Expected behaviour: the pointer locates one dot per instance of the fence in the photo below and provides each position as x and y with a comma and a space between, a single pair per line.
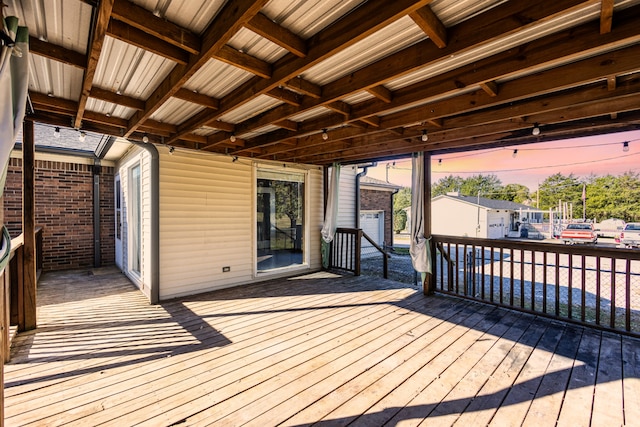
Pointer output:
583, 284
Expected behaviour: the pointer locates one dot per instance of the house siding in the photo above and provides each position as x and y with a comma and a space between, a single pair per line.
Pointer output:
454, 218
347, 197
207, 205
64, 208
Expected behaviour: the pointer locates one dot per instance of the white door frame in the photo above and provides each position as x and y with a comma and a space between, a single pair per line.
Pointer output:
118, 204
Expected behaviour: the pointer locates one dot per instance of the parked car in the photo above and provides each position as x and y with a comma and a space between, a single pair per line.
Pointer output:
630, 235
579, 232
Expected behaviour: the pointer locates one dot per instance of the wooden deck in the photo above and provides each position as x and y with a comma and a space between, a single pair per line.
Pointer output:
317, 349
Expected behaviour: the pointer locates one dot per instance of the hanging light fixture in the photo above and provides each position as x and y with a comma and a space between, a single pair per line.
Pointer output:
625, 146
232, 138
325, 135
424, 136
56, 132
536, 130
145, 138
515, 153
82, 136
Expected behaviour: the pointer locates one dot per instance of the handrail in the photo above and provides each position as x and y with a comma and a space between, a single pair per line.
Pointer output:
585, 284
346, 251
385, 255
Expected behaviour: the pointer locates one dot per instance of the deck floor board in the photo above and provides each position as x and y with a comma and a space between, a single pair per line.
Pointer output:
320, 349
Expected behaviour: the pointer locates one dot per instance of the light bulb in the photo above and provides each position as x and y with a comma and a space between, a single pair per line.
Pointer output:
325, 135
56, 132
424, 136
145, 138
439, 162
536, 130
82, 136
232, 138
515, 153
625, 146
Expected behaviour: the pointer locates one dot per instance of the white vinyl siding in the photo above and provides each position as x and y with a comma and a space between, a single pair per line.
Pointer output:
207, 222
347, 197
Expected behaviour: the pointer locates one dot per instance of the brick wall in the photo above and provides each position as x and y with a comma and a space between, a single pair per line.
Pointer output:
64, 208
379, 200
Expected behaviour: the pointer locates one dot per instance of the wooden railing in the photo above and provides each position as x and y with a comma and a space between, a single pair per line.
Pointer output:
587, 284
13, 313
346, 250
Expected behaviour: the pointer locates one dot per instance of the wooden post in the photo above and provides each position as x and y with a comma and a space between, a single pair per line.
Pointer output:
29, 225
428, 287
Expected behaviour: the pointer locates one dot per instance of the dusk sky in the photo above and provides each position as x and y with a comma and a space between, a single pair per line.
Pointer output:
599, 155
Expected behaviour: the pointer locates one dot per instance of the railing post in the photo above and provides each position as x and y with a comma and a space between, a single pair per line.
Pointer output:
357, 251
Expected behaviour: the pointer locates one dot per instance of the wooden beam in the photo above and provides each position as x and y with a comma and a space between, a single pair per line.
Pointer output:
612, 82
491, 88
287, 124
606, 16
140, 18
241, 60
431, 25
232, 17
218, 124
135, 37
305, 87
262, 25
287, 96
359, 24
29, 227
340, 107
51, 103
57, 53
197, 98
381, 92
115, 98
372, 120
95, 48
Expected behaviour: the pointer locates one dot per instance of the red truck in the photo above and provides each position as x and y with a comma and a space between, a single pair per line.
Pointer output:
579, 232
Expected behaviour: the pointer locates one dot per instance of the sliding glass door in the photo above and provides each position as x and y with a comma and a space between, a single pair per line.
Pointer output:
279, 219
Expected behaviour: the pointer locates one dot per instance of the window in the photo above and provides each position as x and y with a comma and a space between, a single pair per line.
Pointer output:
135, 219
280, 202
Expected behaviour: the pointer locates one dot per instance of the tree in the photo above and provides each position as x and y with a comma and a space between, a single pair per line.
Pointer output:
446, 184
516, 193
289, 200
561, 188
489, 186
614, 197
402, 199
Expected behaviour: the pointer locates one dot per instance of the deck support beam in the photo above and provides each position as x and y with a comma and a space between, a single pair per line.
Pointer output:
29, 226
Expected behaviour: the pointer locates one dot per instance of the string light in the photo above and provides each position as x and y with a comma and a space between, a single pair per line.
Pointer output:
424, 136
439, 162
325, 135
82, 136
625, 146
145, 138
56, 132
536, 130
232, 138
515, 153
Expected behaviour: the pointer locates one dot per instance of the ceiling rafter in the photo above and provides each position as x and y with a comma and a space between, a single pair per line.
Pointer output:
197, 98
231, 18
99, 32
431, 25
242, 60
262, 25
362, 22
606, 16
139, 38
57, 53
494, 23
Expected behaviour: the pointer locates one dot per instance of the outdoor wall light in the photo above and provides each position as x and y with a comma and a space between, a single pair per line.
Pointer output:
424, 136
536, 130
56, 132
172, 149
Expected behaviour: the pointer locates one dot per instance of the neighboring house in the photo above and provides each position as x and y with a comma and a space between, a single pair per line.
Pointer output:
376, 209
471, 216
